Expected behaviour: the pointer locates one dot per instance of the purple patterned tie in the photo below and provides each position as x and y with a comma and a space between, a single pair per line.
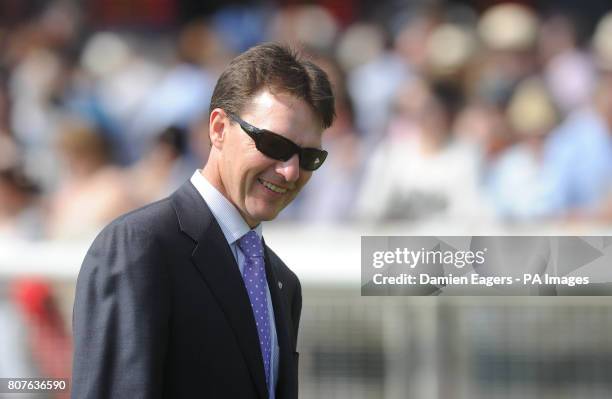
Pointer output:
254, 275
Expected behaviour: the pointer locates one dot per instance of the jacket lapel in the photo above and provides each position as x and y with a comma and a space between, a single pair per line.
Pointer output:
215, 263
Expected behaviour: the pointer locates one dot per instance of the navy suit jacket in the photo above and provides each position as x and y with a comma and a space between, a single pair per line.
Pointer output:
161, 311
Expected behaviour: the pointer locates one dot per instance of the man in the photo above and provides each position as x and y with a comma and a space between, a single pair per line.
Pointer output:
182, 299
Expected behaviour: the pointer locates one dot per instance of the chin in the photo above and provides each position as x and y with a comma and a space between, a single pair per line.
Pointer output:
264, 215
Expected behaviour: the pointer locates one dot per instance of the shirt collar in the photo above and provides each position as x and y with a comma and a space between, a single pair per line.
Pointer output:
231, 222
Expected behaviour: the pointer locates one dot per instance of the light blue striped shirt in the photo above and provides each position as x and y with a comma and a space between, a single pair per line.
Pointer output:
234, 227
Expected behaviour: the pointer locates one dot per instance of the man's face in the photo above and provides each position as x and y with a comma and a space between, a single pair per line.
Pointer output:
260, 187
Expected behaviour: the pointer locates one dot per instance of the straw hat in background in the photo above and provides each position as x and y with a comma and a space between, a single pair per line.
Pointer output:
531, 111
602, 43
449, 49
508, 27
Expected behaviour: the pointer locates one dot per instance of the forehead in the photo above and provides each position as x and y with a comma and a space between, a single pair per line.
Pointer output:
284, 114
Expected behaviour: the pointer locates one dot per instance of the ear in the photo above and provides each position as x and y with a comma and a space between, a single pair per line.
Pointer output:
217, 126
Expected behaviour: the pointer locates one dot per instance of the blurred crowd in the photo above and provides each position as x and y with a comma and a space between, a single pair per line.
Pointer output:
445, 112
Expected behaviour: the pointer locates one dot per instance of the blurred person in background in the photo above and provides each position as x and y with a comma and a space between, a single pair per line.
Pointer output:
92, 191
4, 103
419, 172
182, 298
507, 55
112, 82
580, 157
567, 69
579, 152
45, 329
375, 76
182, 92
509, 34
516, 180
36, 53
21, 216
309, 26
162, 169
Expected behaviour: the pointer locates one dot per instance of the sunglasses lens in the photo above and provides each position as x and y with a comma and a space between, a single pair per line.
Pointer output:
275, 146
312, 159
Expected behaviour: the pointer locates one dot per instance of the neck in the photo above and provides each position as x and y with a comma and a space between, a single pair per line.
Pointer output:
211, 173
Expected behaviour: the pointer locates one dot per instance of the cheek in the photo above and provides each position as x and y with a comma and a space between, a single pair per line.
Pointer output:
304, 178
253, 166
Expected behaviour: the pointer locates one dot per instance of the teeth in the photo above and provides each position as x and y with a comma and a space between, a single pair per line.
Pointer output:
272, 187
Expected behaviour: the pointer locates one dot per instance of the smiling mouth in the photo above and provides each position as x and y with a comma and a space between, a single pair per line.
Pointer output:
273, 187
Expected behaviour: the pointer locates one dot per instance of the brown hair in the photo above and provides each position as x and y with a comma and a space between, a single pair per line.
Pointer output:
278, 69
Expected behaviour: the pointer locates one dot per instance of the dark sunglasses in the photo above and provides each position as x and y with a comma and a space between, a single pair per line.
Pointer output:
281, 148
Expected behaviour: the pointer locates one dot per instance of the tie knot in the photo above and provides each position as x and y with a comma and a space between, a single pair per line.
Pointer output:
250, 244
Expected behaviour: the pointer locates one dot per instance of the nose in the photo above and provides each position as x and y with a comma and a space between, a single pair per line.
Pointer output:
289, 169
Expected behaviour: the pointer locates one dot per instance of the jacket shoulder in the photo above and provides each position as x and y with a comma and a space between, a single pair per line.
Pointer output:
135, 232
148, 218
